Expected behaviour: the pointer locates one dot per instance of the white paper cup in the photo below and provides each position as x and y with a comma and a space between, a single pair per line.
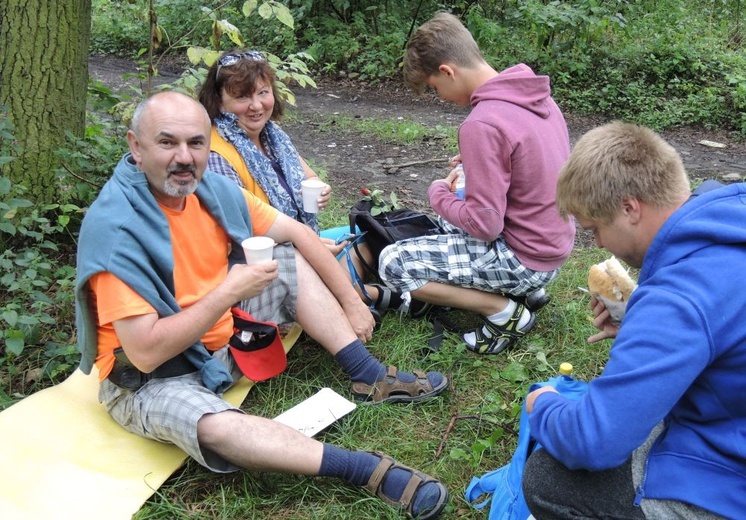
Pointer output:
311, 190
258, 249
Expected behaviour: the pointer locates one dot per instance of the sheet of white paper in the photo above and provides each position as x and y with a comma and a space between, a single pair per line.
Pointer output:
317, 412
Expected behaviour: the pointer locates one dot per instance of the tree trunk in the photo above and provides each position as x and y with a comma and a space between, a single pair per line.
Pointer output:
43, 83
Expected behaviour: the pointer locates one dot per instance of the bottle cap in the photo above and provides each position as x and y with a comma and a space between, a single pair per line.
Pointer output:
565, 369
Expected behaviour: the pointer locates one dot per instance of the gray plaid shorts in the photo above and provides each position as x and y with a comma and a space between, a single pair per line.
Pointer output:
168, 409
455, 258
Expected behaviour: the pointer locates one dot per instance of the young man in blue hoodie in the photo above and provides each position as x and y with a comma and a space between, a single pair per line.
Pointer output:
660, 433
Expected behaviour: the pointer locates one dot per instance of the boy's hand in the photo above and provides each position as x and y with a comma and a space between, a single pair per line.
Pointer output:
450, 179
602, 321
531, 397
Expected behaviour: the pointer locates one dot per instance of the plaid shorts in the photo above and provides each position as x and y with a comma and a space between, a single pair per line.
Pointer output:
455, 258
168, 409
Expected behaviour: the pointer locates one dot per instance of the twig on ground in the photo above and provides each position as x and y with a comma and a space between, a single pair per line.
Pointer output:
414, 163
451, 424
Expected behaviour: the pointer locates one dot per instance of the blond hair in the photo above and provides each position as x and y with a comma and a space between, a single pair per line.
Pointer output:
618, 161
442, 39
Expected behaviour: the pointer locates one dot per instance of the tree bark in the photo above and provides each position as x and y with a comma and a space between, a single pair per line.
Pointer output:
43, 84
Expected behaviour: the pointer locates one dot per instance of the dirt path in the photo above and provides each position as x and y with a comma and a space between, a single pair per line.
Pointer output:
354, 162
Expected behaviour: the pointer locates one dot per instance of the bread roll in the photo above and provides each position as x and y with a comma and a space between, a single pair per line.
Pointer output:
610, 280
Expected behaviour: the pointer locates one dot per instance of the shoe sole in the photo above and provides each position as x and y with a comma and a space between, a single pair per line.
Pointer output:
439, 506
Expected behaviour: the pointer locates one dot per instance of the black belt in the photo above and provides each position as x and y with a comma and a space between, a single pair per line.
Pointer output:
126, 375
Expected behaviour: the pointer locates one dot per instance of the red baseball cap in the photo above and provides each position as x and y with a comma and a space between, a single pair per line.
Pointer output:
262, 355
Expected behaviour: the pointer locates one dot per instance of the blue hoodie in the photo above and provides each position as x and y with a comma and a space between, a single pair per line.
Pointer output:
680, 358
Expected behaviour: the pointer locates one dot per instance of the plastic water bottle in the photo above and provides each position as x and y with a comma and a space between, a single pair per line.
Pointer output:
460, 181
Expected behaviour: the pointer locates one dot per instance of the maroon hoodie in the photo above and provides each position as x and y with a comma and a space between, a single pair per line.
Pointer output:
513, 145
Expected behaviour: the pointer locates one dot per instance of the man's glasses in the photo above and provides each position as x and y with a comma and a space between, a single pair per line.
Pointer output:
227, 60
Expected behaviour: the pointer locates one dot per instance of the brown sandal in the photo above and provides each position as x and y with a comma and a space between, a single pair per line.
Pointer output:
393, 390
406, 500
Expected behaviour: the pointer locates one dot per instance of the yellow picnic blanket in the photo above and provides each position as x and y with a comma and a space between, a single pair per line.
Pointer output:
63, 457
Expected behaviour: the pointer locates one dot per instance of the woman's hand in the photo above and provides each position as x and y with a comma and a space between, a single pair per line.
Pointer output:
333, 247
326, 194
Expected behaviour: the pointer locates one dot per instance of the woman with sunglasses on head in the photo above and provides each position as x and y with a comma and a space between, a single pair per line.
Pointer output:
243, 102
241, 97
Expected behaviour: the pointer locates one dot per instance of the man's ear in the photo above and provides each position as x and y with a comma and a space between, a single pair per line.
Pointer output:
134, 145
632, 209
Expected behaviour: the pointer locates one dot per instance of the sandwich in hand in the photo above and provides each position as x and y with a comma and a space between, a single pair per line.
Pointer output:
611, 283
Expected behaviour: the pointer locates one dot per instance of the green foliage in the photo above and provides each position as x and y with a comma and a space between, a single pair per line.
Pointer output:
87, 162
291, 69
117, 27
120, 27
357, 47
631, 60
566, 23
380, 203
37, 248
36, 303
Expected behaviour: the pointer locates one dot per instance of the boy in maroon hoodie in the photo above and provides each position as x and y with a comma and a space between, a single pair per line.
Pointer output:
505, 239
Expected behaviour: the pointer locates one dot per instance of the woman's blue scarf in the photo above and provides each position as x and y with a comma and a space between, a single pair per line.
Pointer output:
280, 148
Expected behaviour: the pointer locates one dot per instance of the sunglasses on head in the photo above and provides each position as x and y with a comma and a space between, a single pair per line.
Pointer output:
227, 60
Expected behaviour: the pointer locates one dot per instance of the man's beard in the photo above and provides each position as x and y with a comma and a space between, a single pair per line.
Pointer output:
175, 188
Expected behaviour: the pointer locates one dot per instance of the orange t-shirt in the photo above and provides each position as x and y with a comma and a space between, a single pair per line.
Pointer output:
200, 250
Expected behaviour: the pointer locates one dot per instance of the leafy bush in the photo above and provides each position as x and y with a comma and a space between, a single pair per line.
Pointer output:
120, 27
37, 251
87, 162
117, 27
36, 300
631, 60
373, 53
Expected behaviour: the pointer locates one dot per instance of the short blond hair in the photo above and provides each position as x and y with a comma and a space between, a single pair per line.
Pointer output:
618, 161
442, 39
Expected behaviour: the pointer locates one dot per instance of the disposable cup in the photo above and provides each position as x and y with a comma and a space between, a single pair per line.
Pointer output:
258, 249
311, 190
